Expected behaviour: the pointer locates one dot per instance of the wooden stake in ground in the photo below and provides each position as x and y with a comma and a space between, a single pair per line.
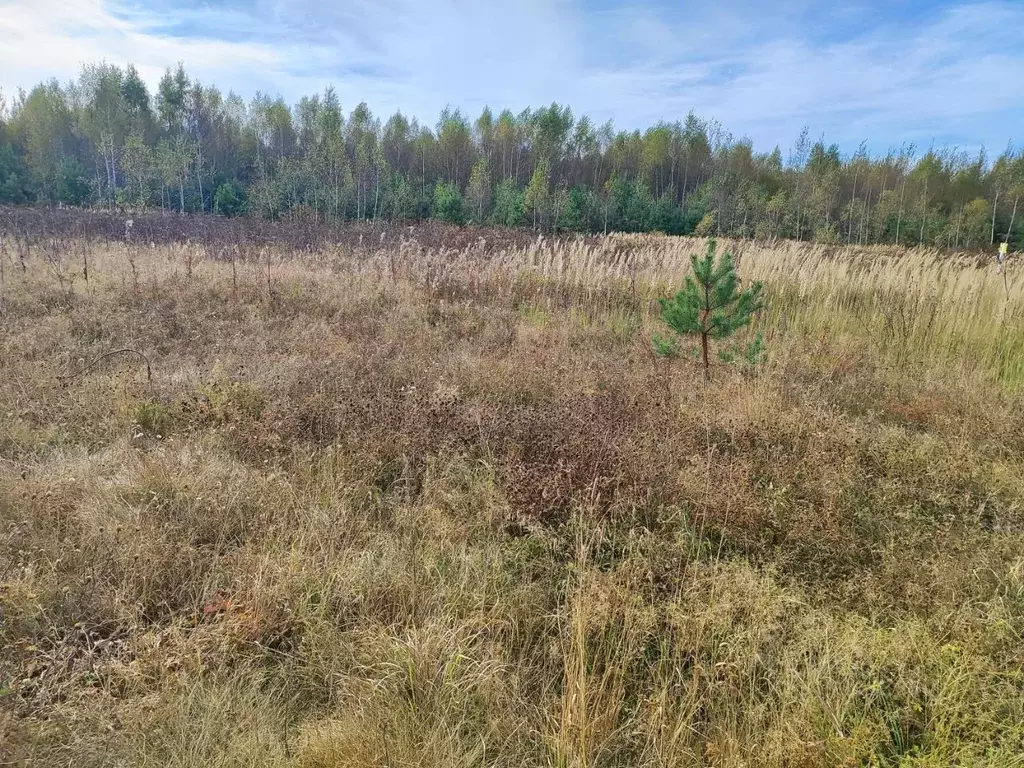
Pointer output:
1001, 258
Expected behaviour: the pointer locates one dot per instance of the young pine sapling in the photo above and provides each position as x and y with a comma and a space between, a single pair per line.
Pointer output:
710, 305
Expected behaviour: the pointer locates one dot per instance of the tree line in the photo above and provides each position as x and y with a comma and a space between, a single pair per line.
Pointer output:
105, 140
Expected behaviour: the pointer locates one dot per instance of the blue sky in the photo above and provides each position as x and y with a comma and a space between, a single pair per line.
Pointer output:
948, 72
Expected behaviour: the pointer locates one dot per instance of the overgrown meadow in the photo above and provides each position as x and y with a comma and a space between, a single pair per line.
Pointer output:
427, 497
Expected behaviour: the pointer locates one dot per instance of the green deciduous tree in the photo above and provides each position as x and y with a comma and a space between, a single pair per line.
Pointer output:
44, 127
104, 138
137, 164
478, 193
536, 198
15, 184
975, 222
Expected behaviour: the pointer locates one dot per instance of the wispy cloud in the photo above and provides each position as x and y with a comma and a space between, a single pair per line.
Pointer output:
920, 70
50, 38
955, 76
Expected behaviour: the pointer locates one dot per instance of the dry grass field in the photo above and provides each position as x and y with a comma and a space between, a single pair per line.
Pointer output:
402, 505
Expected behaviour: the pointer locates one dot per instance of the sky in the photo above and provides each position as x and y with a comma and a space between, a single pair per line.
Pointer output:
948, 73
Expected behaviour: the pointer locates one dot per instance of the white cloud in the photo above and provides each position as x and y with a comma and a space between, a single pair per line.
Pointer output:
960, 73
763, 74
50, 38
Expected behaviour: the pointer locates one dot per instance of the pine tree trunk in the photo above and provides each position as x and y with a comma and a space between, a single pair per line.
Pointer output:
704, 332
704, 353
